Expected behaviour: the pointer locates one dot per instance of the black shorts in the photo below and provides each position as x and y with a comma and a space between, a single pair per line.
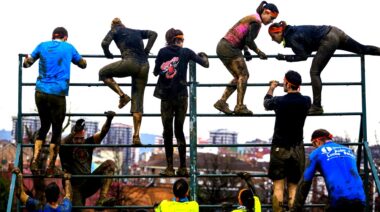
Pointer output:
287, 163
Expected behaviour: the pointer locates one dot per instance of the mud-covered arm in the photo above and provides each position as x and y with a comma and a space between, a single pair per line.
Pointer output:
152, 36
98, 137
106, 44
28, 61
68, 188
20, 192
202, 59
253, 31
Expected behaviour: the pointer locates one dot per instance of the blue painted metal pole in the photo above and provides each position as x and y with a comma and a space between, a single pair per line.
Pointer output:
193, 131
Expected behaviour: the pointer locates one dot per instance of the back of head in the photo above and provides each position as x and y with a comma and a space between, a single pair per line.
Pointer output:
52, 192
269, 6
321, 134
59, 33
294, 79
245, 198
116, 22
180, 188
173, 35
277, 27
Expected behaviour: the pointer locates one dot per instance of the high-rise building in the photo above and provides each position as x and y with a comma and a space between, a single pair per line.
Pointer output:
122, 134
32, 123
224, 136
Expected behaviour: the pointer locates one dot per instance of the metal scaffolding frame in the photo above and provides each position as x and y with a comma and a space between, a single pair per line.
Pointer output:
363, 152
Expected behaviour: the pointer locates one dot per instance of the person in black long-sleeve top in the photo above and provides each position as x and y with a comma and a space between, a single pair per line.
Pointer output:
324, 39
134, 63
287, 157
171, 67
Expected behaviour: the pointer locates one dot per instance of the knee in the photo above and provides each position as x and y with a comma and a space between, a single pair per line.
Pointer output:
111, 166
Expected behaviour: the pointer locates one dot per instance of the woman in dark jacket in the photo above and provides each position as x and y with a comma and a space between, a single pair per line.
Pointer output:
171, 88
324, 40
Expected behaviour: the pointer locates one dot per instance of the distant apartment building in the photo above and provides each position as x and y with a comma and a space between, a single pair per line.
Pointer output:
32, 123
224, 136
122, 134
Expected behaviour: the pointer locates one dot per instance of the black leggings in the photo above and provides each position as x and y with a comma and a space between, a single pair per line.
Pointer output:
52, 111
335, 39
174, 109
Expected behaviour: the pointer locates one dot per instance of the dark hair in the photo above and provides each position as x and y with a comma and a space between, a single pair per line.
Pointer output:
293, 78
280, 25
171, 34
321, 133
247, 199
59, 32
180, 188
265, 5
52, 192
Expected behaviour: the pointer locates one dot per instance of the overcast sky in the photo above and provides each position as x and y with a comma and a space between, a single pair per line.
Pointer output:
27, 23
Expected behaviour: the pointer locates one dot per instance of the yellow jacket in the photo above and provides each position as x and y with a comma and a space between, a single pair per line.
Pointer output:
173, 206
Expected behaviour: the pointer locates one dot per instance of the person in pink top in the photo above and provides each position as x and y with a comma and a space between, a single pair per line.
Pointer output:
241, 37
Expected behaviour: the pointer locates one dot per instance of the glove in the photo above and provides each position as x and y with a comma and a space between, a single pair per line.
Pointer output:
109, 56
202, 54
244, 175
66, 176
110, 114
247, 55
79, 125
280, 57
262, 55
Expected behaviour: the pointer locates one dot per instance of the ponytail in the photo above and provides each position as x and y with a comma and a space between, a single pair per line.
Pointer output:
265, 5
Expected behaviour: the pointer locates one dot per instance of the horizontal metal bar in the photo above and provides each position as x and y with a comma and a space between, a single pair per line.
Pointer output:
202, 114
176, 145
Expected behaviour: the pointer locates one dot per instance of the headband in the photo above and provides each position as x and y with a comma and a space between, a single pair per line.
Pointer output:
329, 136
275, 29
273, 14
179, 37
81, 133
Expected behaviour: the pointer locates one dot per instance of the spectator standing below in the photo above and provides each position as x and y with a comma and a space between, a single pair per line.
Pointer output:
306, 39
287, 157
52, 87
77, 160
337, 165
171, 67
229, 50
134, 63
51, 194
180, 202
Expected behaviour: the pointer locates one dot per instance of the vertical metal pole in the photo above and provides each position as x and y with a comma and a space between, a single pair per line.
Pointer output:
193, 131
364, 124
18, 137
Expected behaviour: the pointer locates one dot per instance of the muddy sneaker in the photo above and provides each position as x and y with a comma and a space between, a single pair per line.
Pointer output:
315, 110
222, 106
168, 172
242, 110
106, 201
53, 172
124, 100
136, 141
182, 172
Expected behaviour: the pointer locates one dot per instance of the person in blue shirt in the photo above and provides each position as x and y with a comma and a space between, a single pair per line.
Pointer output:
134, 64
51, 194
324, 40
52, 87
337, 165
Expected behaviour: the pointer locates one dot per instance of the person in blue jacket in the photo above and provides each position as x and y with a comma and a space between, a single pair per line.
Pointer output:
324, 39
52, 87
337, 165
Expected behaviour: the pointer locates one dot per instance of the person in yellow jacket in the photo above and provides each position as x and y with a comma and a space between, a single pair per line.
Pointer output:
248, 202
181, 202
